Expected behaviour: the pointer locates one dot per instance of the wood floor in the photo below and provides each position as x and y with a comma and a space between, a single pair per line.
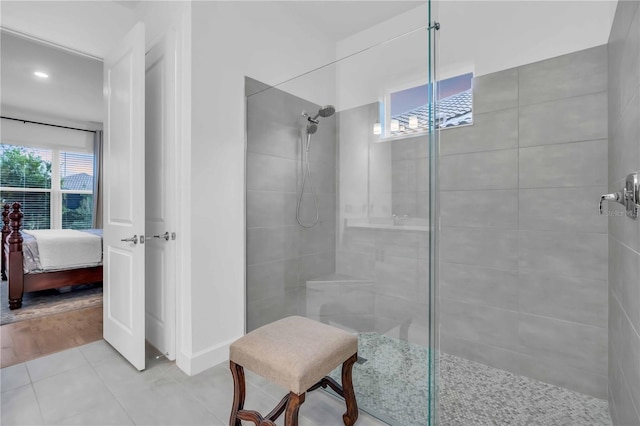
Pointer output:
27, 340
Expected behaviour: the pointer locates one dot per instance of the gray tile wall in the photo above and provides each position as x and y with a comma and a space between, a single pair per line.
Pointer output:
523, 251
282, 256
377, 180
624, 232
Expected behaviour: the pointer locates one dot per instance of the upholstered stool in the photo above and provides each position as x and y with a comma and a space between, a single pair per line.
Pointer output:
296, 353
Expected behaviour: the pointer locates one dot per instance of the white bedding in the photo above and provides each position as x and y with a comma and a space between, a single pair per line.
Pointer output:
67, 248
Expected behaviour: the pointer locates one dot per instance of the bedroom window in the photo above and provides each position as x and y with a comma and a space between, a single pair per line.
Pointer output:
55, 187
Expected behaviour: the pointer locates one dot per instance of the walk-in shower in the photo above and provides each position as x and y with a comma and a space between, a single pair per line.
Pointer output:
324, 192
524, 317
311, 128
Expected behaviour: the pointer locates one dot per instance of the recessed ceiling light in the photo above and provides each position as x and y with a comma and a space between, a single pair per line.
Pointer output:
41, 74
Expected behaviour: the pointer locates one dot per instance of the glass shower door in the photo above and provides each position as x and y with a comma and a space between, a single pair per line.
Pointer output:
340, 185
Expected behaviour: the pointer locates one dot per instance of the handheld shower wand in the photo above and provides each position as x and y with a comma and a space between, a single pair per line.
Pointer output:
312, 127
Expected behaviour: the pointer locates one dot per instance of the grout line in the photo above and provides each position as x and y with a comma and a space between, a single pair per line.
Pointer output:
520, 312
35, 394
524, 271
518, 175
526, 188
623, 244
483, 113
549, 101
106, 386
626, 387
271, 155
522, 187
480, 266
547, 231
518, 147
624, 312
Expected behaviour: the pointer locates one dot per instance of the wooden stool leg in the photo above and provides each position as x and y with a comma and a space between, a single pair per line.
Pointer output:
293, 405
349, 418
238, 392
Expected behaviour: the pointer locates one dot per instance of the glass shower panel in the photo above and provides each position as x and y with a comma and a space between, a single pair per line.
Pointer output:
338, 214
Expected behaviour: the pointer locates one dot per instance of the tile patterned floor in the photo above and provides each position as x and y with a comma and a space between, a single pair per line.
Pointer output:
475, 394
94, 385
393, 382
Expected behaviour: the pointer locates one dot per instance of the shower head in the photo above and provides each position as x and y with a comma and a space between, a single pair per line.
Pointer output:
312, 128
312, 125
325, 111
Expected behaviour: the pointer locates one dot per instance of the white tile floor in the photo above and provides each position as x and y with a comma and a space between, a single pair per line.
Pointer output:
94, 385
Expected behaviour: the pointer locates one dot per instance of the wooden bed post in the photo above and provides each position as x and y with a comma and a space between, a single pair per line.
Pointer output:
5, 233
16, 264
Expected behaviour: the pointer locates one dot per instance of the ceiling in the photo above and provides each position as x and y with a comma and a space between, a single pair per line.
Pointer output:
341, 19
72, 91
74, 87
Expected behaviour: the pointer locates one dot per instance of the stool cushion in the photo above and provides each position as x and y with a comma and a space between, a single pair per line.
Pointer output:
294, 352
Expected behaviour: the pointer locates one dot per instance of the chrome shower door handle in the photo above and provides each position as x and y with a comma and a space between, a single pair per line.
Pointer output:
133, 239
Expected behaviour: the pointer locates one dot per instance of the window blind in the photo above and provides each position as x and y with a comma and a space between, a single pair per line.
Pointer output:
54, 187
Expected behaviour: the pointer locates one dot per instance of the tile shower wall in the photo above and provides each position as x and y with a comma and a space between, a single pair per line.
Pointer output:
378, 180
281, 255
523, 254
624, 232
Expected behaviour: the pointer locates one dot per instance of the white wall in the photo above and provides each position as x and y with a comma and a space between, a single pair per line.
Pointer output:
29, 134
395, 59
159, 17
162, 18
479, 36
90, 27
73, 90
495, 35
231, 40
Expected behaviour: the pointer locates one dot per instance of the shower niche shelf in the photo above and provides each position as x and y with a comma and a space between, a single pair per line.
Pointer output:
410, 224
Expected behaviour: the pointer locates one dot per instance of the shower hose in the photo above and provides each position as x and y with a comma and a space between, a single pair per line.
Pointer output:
306, 177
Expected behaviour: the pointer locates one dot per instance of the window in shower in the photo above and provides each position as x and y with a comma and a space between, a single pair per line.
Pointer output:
407, 111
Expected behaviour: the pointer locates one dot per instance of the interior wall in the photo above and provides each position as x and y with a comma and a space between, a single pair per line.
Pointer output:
477, 34
72, 92
376, 181
231, 40
474, 36
24, 134
388, 59
523, 254
624, 232
281, 255
91, 27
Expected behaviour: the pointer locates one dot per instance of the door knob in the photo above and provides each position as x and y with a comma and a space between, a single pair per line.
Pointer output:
166, 236
133, 240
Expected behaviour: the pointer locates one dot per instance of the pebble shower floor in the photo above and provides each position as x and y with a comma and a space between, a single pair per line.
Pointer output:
392, 383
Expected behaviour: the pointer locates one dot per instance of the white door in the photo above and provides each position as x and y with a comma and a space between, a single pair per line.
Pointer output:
124, 198
161, 204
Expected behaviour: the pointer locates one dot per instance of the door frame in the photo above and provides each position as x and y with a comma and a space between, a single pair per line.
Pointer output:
182, 24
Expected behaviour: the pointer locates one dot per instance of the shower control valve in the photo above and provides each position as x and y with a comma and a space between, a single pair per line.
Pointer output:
629, 196
614, 196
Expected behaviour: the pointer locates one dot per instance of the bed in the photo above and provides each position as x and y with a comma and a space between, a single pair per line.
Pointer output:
23, 278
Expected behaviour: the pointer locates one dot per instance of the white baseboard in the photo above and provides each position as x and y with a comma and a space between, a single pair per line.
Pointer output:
197, 362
